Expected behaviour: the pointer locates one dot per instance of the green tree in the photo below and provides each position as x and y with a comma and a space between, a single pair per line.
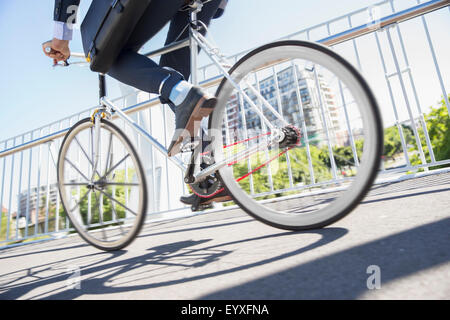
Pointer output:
279, 168
344, 157
392, 140
438, 126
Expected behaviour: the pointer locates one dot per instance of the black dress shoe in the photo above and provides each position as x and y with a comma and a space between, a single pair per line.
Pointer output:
197, 105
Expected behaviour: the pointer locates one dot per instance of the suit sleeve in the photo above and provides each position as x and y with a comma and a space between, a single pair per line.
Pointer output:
65, 9
221, 9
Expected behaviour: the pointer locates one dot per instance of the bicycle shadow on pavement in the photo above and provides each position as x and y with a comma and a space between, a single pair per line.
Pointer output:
162, 260
344, 275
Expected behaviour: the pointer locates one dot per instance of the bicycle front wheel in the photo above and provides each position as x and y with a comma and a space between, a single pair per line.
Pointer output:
333, 142
102, 184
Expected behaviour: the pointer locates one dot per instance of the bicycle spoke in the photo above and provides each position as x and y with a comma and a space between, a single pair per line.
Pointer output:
94, 186
100, 213
121, 184
76, 184
309, 150
116, 218
70, 162
109, 152
115, 166
81, 200
112, 199
86, 155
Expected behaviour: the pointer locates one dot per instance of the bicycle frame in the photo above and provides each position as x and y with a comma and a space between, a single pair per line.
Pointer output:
196, 40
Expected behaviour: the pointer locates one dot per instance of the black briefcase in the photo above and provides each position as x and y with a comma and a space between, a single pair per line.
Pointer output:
106, 28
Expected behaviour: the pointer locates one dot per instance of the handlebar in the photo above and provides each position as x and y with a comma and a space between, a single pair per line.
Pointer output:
66, 63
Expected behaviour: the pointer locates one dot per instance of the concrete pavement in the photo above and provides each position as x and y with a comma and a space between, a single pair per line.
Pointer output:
401, 233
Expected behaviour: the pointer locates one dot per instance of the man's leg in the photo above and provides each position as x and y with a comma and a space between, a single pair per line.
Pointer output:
137, 70
142, 73
180, 59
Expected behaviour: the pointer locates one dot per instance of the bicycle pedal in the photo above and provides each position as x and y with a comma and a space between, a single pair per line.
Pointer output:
189, 146
202, 207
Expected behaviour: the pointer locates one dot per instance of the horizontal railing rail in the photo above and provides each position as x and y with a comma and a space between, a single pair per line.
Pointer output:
351, 34
398, 17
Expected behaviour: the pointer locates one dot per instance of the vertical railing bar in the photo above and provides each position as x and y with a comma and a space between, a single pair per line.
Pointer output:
349, 128
78, 175
413, 86
114, 191
47, 200
355, 47
436, 64
227, 133
67, 214
109, 162
38, 187
405, 96
8, 225
3, 189
27, 213
193, 46
264, 128
58, 195
164, 109
324, 120
304, 127
139, 121
280, 110
126, 173
90, 172
422, 120
152, 155
333, 162
303, 123
394, 107
244, 121
18, 213
100, 166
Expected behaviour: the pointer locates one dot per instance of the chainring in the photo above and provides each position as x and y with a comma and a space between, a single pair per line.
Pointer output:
206, 188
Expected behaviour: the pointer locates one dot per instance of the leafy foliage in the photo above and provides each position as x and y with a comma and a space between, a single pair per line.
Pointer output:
392, 140
438, 126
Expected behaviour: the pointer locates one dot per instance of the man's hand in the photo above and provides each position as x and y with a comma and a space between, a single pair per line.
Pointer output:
59, 49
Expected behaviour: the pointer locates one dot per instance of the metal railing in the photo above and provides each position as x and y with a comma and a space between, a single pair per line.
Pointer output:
29, 203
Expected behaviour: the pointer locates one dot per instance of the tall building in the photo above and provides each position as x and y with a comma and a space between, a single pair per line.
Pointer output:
28, 201
316, 105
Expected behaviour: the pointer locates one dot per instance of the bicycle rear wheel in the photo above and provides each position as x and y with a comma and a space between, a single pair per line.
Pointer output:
106, 205
331, 117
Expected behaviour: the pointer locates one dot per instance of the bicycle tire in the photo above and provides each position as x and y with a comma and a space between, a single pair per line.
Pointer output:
372, 162
141, 215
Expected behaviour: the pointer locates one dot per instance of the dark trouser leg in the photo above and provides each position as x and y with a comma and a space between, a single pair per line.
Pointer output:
180, 60
137, 70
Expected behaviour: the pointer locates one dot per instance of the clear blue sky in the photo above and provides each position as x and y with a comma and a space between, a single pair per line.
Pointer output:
33, 94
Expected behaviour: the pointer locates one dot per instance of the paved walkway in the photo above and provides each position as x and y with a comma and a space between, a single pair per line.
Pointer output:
401, 230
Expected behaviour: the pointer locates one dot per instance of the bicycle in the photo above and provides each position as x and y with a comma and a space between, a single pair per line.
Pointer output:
298, 124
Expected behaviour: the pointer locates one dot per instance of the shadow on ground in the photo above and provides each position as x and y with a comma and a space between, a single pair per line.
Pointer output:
98, 275
343, 275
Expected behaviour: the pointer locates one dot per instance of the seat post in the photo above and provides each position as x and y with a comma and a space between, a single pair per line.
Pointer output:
196, 7
101, 86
